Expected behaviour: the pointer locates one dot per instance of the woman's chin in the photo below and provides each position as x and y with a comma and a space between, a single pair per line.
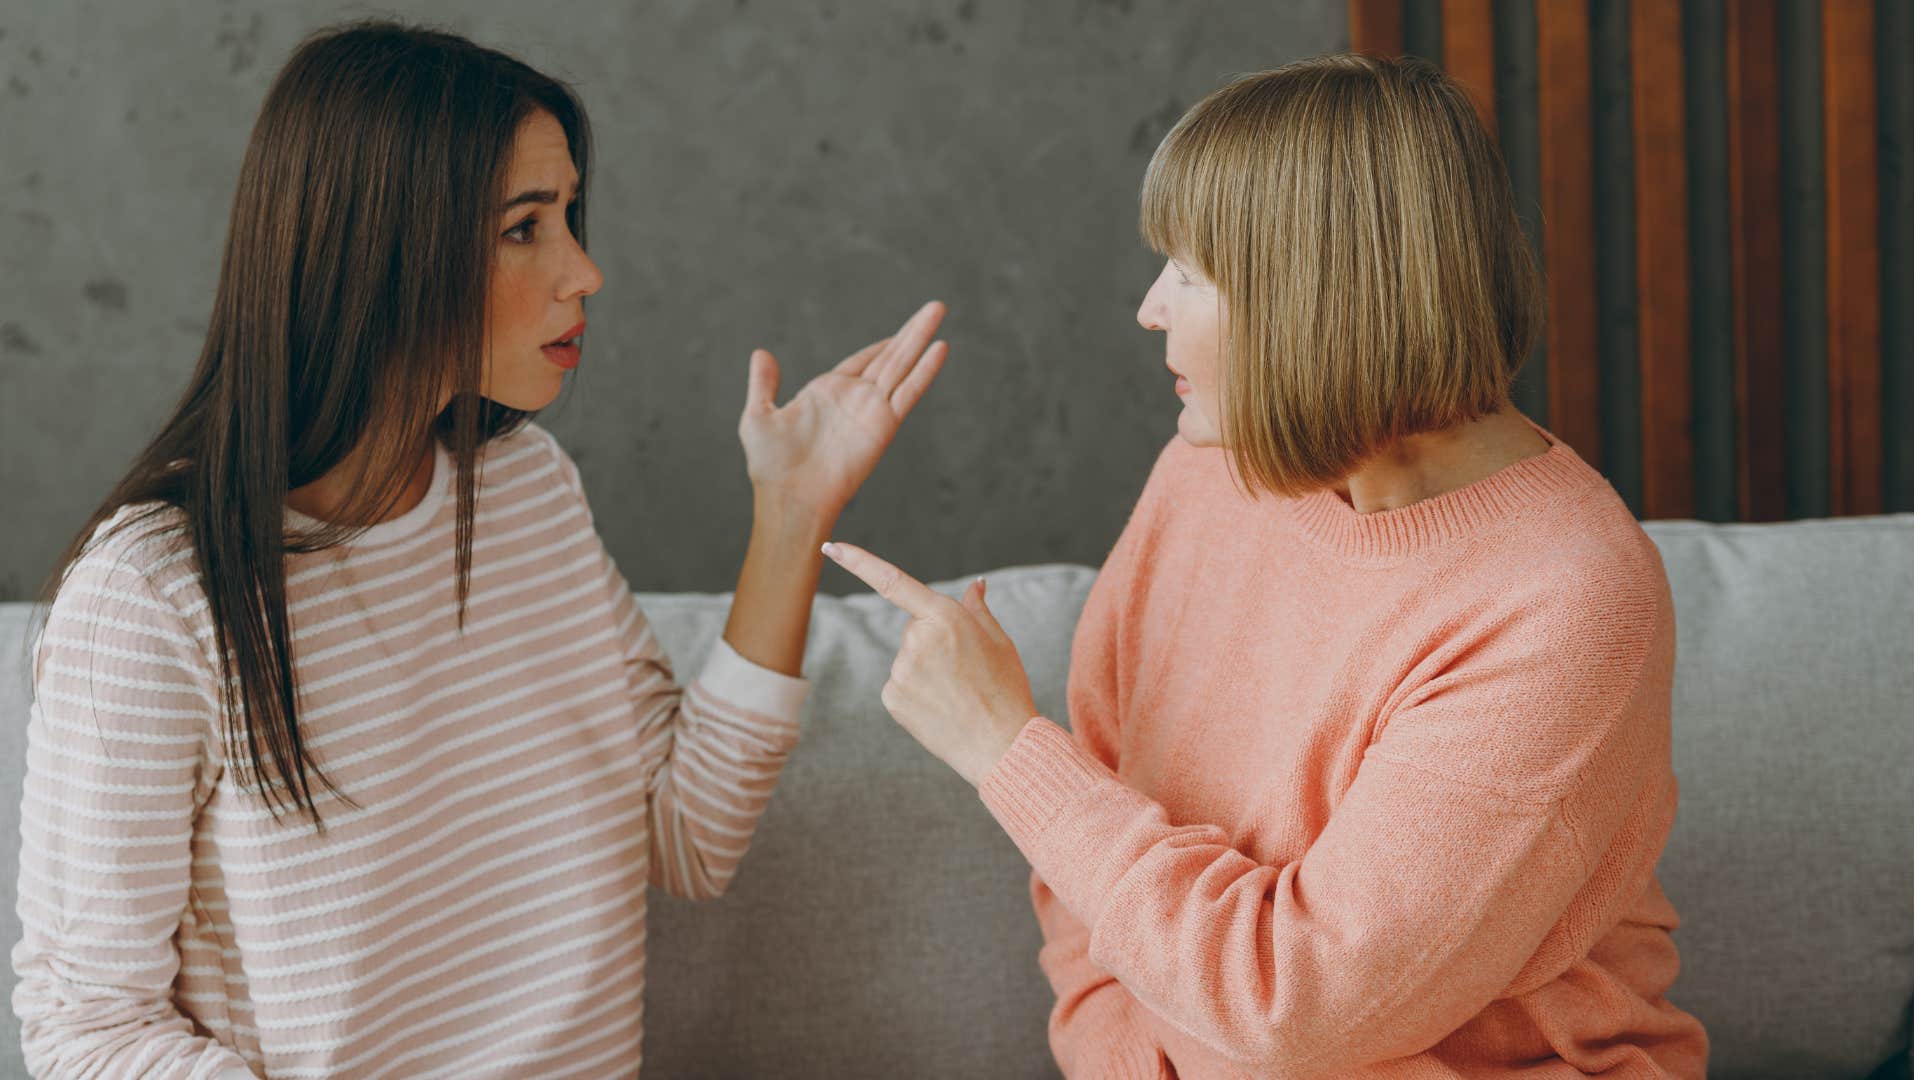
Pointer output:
1197, 430
527, 399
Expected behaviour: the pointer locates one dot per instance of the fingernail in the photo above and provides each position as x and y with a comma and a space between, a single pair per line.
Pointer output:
830, 551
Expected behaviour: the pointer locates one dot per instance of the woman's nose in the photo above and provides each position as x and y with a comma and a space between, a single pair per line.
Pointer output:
1149, 315
586, 278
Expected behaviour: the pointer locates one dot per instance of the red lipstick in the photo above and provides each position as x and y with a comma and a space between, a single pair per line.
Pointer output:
564, 351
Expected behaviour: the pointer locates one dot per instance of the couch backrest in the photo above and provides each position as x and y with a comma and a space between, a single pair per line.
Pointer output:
881, 927
1791, 861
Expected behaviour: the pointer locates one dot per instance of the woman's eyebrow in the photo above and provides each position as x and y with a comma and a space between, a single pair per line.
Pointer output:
543, 196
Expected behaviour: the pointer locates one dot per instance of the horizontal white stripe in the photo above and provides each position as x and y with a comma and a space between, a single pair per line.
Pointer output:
434, 1050
582, 674
183, 687
388, 919
64, 887
565, 781
625, 1049
124, 626
370, 928
158, 659
413, 568
49, 800
630, 1002
54, 937
89, 866
443, 613
437, 587
39, 745
404, 749
83, 586
366, 789
680, 807
478, 969
104, 840
150, 917
467, 848
716, 773
137, 738
487, 511
473, 631
487, 675
75, 782
100, 705
232, 977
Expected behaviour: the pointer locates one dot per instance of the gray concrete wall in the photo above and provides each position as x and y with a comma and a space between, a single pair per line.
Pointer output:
792, 175
800, 175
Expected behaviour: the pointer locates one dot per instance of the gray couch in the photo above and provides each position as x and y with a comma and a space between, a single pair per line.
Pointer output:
880, 927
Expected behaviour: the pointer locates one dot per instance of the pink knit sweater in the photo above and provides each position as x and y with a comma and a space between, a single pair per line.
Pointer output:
1359, 795
520, 782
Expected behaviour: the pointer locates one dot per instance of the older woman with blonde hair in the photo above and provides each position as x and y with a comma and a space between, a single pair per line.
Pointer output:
1369, 767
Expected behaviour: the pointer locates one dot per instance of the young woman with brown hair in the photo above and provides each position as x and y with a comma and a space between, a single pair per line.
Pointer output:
350, 753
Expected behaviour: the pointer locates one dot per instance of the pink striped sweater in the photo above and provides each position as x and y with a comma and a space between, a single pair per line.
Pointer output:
520, 785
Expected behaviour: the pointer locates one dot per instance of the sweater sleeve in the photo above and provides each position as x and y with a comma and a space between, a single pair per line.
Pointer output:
714, 747
119, 762
1472, 823
1094, 1028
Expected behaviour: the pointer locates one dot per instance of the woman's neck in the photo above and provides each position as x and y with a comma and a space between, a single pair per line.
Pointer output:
325, 499
1423, 466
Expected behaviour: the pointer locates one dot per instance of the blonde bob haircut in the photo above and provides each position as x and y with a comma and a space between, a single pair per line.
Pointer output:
1357, 222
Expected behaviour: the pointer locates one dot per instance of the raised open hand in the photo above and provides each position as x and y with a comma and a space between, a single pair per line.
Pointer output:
820, 447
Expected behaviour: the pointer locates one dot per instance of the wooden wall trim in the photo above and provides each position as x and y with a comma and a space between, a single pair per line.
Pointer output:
1853, 255
1466, 45
1756, 218
1662, 259
1376, 27
1567, 222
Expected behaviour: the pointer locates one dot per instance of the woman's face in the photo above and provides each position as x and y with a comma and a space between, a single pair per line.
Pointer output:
1186, 307
541, 275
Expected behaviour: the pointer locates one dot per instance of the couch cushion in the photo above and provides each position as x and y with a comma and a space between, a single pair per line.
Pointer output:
880, 926
1791, 862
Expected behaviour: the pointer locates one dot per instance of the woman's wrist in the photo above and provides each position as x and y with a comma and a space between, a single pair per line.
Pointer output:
783, 516
1001, 734
774, 596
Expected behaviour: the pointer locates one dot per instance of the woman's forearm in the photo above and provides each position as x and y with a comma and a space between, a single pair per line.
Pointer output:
774, 597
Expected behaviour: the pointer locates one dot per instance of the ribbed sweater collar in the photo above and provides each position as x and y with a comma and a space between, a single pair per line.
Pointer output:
1327, 520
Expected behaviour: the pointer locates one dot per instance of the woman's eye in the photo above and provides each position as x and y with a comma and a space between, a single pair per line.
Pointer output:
521, 233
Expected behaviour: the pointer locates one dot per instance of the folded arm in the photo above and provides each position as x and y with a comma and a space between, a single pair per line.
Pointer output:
1445, 866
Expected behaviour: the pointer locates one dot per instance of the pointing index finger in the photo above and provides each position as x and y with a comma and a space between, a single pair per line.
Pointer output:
893, 584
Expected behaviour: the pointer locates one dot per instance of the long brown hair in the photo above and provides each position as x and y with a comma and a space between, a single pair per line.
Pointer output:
1375, 283
352, 297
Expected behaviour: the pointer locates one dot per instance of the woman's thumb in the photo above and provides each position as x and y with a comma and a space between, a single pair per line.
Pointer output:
974, 599
763, 382
976, 602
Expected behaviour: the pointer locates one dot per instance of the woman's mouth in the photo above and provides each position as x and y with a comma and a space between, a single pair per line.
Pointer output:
565, 355
1181, 385
565, 351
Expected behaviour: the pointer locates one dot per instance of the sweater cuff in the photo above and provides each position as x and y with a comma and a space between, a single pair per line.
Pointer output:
744, 684
1041, 774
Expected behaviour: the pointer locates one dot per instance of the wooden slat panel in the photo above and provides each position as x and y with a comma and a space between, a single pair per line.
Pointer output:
1853, 255
1662, 259
1466, 37
1566, 208
1375, 27
1759, 286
